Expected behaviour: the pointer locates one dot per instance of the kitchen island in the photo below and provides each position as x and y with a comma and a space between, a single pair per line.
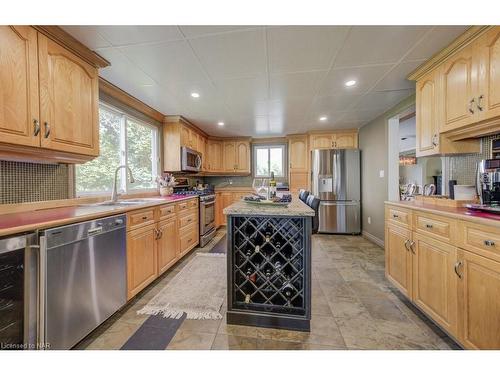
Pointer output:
269, 265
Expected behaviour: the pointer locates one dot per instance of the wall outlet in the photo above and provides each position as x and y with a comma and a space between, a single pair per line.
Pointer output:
369, 219
381, 173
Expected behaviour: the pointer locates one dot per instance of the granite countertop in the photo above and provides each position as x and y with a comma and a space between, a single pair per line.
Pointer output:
461, 213
295, 208
26, 221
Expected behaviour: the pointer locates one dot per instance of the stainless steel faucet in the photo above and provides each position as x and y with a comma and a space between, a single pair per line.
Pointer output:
114, 193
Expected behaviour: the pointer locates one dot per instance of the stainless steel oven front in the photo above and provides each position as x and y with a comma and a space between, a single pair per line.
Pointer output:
207, 218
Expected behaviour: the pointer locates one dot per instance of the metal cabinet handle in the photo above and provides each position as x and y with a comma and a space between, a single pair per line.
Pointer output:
434, 140
411, 246
160, 234
395, 216
144, 217
471, 109
406, 245
457, 266
36, 125
479, 99
156, 233
428, 226
47, 129
489, 243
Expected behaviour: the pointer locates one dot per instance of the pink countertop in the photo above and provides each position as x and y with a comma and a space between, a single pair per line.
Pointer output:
45, 218
462, 213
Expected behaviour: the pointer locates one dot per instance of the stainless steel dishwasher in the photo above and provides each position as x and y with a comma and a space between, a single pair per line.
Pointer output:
83, 278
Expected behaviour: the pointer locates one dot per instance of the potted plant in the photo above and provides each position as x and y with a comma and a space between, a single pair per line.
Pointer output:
166, 184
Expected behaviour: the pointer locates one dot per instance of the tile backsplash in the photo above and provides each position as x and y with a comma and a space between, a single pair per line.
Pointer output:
463, 168
30, 182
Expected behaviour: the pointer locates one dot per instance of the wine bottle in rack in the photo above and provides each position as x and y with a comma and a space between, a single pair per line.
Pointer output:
277, 267
250, 274
247, 298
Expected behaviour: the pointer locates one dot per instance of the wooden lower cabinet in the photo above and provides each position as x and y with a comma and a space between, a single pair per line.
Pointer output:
168, 244
398, 258
479, 291
141, 259
188, 239
435, 281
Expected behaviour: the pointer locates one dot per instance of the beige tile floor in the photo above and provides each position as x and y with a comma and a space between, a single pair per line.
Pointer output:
353, 307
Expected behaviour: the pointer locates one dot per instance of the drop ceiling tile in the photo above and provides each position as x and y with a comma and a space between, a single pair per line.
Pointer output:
87, 35
333, 117
232, 55
122, 72
243, 89
302, 48
168, 63
122, 35
323, 105
382, 100
295, 84
378, 44
396, 78
365, 77
361, 116
191, 31
435, 41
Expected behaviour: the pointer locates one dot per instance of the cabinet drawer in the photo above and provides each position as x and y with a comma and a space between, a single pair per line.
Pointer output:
480, 239
137, 219
186, 205
398, 216
188, 238
439, 227
191, 218
165, 212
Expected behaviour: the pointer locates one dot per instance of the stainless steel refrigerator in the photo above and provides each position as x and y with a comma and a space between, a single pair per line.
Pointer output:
336, 182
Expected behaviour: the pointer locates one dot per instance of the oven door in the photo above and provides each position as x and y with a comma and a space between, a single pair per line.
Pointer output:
190, 160
207, 216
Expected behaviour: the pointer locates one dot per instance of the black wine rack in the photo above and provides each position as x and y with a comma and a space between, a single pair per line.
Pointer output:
269, 271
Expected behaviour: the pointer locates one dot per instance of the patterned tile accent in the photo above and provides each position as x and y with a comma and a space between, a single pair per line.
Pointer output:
29, 182
463, 168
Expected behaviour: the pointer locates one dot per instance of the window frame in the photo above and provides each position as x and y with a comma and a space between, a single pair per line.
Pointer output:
124, 186
269, 146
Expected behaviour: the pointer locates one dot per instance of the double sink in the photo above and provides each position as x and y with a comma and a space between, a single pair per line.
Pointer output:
123, 202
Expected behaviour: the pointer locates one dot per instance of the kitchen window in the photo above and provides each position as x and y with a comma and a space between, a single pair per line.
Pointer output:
124, 140
269, 158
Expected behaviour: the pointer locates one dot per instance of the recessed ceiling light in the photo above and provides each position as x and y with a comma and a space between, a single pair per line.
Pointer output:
220, 123
323, 118
195, 95
350, 83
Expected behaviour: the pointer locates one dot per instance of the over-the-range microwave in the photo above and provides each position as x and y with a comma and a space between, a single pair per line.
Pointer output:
190, 160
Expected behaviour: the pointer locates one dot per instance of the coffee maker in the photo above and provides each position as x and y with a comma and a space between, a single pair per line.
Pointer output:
488, 185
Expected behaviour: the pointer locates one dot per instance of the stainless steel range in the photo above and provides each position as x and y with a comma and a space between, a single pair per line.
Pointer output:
207, 209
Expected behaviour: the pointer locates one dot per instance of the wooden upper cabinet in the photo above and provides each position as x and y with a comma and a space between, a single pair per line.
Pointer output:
243, 156
435, 281
459, 104
334, 140
185, 136
215, 155
479, 288
321, 141
19, 112
345, 140
427, 113
298, 153
68, 100
488, 93
230, 162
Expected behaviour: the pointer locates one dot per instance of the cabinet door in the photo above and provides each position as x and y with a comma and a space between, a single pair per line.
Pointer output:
427, 125
321, 141
218, 210
398, 258
19, 112
193, 140
167, 244
435, 280
298, 154
230, 162
243, 156
345, 140
141, 259
479, 289
215, 156
488, 95
227, 200
299, 180
185, 136
68, 100
458, 91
